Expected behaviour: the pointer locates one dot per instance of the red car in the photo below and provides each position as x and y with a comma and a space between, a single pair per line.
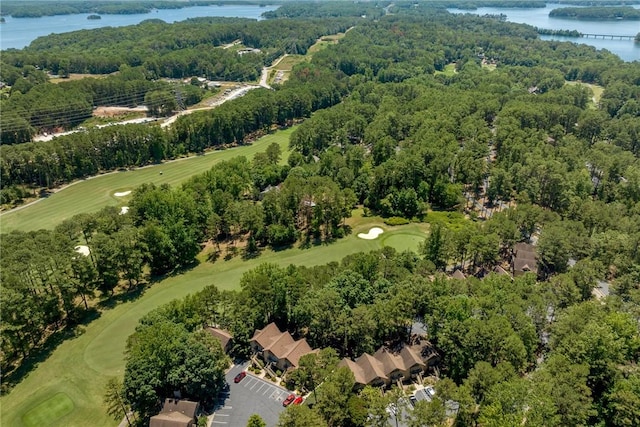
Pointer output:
289, 400
298, 400
239, 377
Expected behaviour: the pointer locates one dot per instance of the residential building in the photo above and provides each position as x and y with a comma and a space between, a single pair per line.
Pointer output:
386, 367
524, 259
225, 338
279, 348
176, 413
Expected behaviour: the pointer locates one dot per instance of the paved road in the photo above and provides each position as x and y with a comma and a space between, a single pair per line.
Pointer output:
250, 396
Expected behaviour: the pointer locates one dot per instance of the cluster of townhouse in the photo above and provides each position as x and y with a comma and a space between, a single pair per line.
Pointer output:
386, 366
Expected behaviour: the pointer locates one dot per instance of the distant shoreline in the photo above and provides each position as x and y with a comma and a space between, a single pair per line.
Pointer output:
37, 9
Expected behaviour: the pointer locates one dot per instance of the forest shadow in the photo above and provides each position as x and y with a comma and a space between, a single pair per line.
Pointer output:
13, 377
127, 296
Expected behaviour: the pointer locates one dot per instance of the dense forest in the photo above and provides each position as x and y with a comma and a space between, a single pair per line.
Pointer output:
140, 56
597, 13
514, 352
405, 120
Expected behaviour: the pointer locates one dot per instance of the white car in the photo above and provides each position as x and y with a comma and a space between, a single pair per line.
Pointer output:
430, 391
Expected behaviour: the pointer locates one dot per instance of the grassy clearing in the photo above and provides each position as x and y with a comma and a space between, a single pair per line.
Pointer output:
596, 89
286, 64
80, 367
93, 194
289, 61
74, 76
325, 41
449, 70
50, 410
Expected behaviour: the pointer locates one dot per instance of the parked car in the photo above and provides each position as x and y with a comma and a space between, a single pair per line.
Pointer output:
298, 400
413, 400
239, 377
225, 387
430, 391
289, 400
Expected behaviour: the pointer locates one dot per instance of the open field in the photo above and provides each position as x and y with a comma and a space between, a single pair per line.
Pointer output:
279, 72
325, 41
80, 367
596, 89
76, 76
449, 70
95, 193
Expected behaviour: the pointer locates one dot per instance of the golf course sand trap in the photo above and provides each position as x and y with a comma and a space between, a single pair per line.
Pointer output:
122, 193
372, 234
82, 249
124, 210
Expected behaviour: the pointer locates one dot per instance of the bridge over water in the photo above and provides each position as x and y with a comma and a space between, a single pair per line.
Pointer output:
606, 36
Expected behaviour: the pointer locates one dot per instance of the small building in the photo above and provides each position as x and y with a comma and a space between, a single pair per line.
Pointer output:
386, 367
279, 347
524, 259
176, 413
225, 338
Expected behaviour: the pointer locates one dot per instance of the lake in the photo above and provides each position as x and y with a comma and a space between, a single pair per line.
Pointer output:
539, 17
19, 32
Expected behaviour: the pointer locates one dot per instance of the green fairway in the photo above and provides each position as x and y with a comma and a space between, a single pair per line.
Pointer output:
48, 411
80, 367
93, 194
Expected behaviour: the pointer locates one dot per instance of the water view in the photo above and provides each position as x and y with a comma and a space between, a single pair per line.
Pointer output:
539, 17
19, 32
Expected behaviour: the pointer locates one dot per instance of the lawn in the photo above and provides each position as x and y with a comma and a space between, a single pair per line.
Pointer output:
80, 367
596, 89
55, 407
92, 194
449, 70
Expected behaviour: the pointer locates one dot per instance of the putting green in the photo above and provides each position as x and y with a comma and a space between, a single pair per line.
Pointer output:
57, 406
402, 240
93, 194
80, 367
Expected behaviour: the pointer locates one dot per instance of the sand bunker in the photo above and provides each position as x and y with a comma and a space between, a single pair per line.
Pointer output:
372, 234
82, 249
124, 210
122, 193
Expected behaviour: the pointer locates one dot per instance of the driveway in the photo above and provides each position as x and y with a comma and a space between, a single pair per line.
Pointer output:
250, 396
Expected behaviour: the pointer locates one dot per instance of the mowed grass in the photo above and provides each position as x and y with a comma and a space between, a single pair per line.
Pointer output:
596, 89
80, 367
449, 70
92, 194
56, 407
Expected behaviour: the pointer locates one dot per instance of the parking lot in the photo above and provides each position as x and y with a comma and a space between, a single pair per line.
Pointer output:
250, 396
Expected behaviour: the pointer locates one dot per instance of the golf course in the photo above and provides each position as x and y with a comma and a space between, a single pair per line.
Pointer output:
94, 193
66, 388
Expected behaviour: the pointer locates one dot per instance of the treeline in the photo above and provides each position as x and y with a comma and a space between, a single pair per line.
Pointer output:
81, 154
563, 33
597, 13
162, 231
502, 356
43, 8
140, 54
326, 9
595, 2
155, 44
36, 105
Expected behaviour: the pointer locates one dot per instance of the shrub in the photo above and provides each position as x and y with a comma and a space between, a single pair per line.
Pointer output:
396, 220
